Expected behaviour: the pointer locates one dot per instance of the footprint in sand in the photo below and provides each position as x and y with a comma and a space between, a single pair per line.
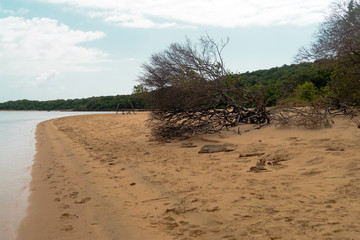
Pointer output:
229, 237
65, 216
84, 200
315, 161
196, 232
67, 228
74, 194
65, 206
214, 209
292, 138
170, 223
312, 172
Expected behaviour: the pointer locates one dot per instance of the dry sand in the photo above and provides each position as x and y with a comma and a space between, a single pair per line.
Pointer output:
103, 177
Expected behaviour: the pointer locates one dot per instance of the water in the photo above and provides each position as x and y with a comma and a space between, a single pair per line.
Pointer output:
17, 149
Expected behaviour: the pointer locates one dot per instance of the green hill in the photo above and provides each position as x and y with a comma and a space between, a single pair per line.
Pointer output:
280, 82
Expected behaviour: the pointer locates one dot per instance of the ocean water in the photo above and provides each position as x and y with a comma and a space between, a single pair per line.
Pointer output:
17, 150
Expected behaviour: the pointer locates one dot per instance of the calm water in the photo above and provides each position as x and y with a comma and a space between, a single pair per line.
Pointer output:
17, 149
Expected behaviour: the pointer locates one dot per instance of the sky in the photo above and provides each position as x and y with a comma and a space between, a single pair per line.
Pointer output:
65, 49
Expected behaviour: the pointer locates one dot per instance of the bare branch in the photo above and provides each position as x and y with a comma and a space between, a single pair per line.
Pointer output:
192, 92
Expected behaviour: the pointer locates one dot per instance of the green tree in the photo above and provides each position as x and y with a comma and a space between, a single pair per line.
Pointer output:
337, 47
306, 91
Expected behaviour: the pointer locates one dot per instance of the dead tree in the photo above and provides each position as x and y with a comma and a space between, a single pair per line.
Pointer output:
191, 92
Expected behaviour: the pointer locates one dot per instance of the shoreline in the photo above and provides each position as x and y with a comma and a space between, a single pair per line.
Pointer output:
17, 130
69, 110
103, 177
63, 200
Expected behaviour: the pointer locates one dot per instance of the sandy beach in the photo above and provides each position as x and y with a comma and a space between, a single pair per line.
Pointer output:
105, 177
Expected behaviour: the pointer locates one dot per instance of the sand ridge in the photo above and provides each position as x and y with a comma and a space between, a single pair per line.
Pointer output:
104, 177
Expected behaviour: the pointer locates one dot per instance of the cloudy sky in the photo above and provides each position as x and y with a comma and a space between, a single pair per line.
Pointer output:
61, 49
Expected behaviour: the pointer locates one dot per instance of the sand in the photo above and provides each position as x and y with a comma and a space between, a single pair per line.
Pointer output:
104, 177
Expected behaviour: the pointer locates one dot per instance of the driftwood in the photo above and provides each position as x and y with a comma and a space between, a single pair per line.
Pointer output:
214, 149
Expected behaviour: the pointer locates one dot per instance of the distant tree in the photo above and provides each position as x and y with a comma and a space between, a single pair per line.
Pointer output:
190, 91
139, 89
107, 103
337, 47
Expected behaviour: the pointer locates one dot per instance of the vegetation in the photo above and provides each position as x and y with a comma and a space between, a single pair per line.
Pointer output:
282, 83
108, 103
190, 91
279, 83
335, 50
337, 47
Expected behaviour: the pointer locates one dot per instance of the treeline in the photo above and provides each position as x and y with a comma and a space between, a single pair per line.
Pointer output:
105, 103
281, 83
278, 83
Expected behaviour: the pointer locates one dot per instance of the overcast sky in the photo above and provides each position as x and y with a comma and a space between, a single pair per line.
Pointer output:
61, 49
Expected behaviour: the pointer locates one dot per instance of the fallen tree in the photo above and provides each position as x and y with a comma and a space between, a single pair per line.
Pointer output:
191, 92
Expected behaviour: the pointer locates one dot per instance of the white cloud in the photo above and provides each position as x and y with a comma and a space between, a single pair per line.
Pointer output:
20, 11
180, 13
6, 11
45, 78
133, 21
23, 11
43, 48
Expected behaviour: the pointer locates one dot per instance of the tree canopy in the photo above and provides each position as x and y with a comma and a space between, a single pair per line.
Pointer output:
337, 47
106, 103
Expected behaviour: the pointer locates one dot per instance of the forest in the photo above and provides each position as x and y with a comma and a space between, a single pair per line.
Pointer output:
105, 103
279, 83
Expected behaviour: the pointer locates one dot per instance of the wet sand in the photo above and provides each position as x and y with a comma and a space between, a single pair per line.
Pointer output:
104, 177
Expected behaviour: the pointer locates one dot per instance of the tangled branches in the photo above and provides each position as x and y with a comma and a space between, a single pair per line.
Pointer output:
190, 91
307, 117
172, 124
